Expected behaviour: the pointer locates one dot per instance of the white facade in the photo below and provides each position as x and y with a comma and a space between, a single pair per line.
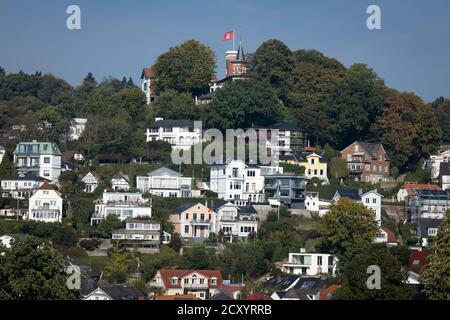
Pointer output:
310, 264
46, 205
2, 153
434, 162
165, 182
20, 187
237, 182
123, 204
312, 201
120, 182
181, 134
372, 200
234, 221
77, 126
90, 182
40, 158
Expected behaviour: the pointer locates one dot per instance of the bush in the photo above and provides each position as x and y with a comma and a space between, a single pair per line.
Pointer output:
90, 244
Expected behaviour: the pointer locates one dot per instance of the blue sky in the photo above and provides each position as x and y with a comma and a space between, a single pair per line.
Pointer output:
411, 52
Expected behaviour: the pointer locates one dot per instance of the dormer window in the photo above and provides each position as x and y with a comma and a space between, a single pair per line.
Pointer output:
174, 280
213, 281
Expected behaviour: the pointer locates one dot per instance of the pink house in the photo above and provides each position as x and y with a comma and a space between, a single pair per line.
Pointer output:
194, 221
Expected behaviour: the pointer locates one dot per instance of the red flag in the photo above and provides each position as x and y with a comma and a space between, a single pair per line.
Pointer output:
228, 35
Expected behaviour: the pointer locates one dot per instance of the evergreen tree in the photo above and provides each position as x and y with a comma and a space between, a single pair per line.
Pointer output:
6, 167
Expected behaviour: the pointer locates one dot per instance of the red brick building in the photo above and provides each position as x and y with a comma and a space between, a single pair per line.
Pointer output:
367, 161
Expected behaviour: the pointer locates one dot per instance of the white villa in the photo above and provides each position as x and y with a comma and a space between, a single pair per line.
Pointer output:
165, 182
310, 264
237, 182
21, 186
145, 235
123, 204
120, 182
91, 181
40, 158
46, 204
236, 222
181, 134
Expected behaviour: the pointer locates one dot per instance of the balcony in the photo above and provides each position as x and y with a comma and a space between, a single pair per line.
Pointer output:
200, 222
195, 285
155, 284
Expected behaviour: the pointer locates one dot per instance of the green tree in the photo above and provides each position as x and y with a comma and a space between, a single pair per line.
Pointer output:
338, 168
348, 227
242, 104
107, 225
354, 103
185, 68
133, 100
436, 275
117, 269
173, 105
176, 243
442, 109
41, 275
6, 166
355, 277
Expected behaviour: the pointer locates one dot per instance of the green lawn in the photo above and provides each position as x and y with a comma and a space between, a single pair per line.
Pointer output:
307, 224
96, 263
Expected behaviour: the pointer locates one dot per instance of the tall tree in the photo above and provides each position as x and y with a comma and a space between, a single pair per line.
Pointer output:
117, 269
354, 103
41, 275
348, 227
185, 68
436, 275
6, 166
174, 105
242, 104
442, 109
354, 277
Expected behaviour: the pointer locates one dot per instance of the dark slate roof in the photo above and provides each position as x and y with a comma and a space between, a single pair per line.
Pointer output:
283, 125
427, 223
444, 169
371, 148
349, 193
25, 177
121, 291
172, 123
87, 285
247, 210
281, 283
305, 287
240, 55
221, 295
183, 207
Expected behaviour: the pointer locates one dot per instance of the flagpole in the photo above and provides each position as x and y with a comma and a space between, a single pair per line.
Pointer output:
234, 36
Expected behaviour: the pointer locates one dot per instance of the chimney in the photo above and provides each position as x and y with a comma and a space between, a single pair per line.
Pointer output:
302, 250
158, 119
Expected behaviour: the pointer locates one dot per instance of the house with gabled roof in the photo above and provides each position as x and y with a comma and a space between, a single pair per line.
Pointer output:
46, 204
120, 182
194, 221
203, 284
148, 77
386, 235
21, 186
408, 189
367, 161
165, 182
91, 181
114, 292
235, 221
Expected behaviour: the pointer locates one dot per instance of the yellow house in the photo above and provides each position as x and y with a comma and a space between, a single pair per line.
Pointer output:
315, 167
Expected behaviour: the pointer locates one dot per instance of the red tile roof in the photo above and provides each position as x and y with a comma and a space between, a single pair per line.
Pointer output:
410, 187
391, 238
258, 296
168, 274
327, 293
231, 289
46, 186
150, 72
417, 260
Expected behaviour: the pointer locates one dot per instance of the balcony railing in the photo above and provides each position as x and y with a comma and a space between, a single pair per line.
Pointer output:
195, 285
